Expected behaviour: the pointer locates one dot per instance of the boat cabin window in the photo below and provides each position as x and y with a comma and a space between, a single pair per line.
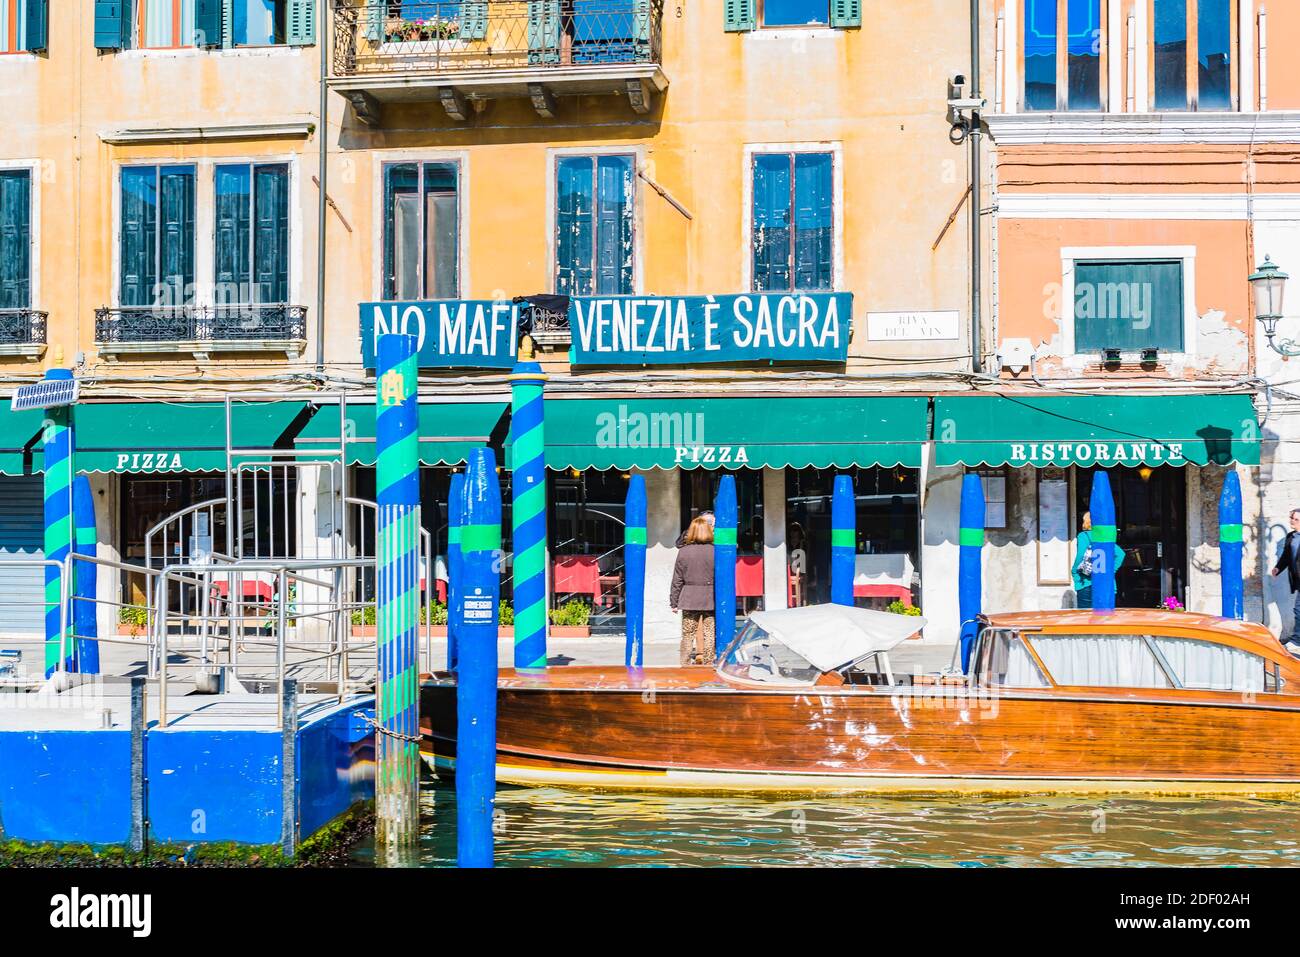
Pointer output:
1209, 666
1101, 661
1004, 660
756, 655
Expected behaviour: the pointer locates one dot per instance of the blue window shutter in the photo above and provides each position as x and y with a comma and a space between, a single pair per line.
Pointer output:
207, 23
739, 15
36, 37
138, 250
473, 20
770, 238
271, 233
814, 220
300, 22
234, 200
1128, 305
375, 21
176, 233
544, 31
614, 226
846, 13
15, 239
110, 24
574, 225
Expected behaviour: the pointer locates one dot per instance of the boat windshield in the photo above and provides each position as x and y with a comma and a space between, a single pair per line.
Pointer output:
756, 655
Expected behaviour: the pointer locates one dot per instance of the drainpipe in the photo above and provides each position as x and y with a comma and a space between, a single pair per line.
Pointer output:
322, 132
976, 202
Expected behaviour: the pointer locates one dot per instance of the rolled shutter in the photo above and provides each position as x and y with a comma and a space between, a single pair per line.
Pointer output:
37, 34
846, 13
473, 20
300, 23
110, 24
739, 15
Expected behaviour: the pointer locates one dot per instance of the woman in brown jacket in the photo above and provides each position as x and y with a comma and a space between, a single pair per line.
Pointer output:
692, 593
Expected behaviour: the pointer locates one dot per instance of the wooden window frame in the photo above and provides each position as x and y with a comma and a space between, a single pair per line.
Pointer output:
1063, 57
1192, 65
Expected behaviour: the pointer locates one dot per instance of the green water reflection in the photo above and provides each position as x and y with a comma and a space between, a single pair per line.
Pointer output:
549, 827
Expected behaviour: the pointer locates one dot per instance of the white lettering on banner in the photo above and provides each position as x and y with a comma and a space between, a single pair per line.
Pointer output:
1085, 453
710, 455
412, 323
460, 331
149, 461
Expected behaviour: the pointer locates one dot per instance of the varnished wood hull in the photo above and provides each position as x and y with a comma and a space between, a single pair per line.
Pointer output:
678, 730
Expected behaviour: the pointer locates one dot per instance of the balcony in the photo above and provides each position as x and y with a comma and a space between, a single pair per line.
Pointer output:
200, 330
22, 332
466, 53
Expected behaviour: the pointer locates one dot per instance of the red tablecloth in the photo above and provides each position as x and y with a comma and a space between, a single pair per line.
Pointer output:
749, 576
577, 575
251, 588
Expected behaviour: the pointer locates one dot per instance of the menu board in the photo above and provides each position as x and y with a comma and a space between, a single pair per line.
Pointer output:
1053, 530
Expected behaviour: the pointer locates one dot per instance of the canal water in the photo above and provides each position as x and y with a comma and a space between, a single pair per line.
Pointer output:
549, 827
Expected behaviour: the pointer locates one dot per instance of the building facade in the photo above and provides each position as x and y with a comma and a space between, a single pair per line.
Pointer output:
739, 233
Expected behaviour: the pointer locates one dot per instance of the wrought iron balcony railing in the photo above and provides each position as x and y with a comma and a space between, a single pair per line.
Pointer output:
22, 327
444, 36
235, 323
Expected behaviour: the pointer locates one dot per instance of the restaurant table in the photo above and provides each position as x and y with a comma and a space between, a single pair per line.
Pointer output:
577, 575
885, 575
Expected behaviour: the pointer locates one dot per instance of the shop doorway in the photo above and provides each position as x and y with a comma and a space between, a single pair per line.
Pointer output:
1151, 527
699, 491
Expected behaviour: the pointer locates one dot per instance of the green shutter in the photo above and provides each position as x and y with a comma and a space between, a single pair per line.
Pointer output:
300, 23
207, 23
846, 13
138, 263
36, 36
271, 234
739, 15
544, 31
15, 239
641, 19
110, 24
375, 21
176, 233
1128, 305
473, 20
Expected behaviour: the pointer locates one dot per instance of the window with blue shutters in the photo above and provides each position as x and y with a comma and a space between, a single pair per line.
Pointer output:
15, 239
740, 16
252, 233
421, 231
169, 24
595, 240
156, 245
793, 221
1128, 305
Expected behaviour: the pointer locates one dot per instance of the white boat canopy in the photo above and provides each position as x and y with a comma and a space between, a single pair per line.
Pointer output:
829, 636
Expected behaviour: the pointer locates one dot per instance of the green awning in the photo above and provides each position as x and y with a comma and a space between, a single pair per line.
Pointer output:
1095, 430
173, 436
710, 433
20, 441
448, 430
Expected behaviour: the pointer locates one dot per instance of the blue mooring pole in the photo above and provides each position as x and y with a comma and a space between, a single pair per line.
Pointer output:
455, 567
970, 578
84, 623
476, 675
724, 564
634, 528
844, 540
397, 603
1101, 506
1230, 546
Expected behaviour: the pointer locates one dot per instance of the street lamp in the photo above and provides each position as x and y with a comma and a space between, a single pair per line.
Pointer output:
1268, 283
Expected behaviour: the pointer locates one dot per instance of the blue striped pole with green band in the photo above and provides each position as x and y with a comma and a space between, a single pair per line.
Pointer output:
59, 444
634, 527
1101, 507
476, 674
724, 564
397, 536
1231, 546
84, 607
528, 512
455, 571
970, 554
844, 540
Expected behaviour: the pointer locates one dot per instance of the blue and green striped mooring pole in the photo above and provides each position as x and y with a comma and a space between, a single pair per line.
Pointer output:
1230, 546
970, 576
397, 613
476, 673
634, 525
60, 447
724, 564
844, 540
1101, 507
528, 511
455, 570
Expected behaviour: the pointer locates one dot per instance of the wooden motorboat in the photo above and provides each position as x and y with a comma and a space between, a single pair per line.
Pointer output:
805, 700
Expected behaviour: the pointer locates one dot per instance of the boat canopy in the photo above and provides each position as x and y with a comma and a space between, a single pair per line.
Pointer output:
829, 636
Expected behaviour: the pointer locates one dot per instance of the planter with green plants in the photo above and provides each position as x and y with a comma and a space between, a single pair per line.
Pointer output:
134, 619
571, 620
435, 616
900, 607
